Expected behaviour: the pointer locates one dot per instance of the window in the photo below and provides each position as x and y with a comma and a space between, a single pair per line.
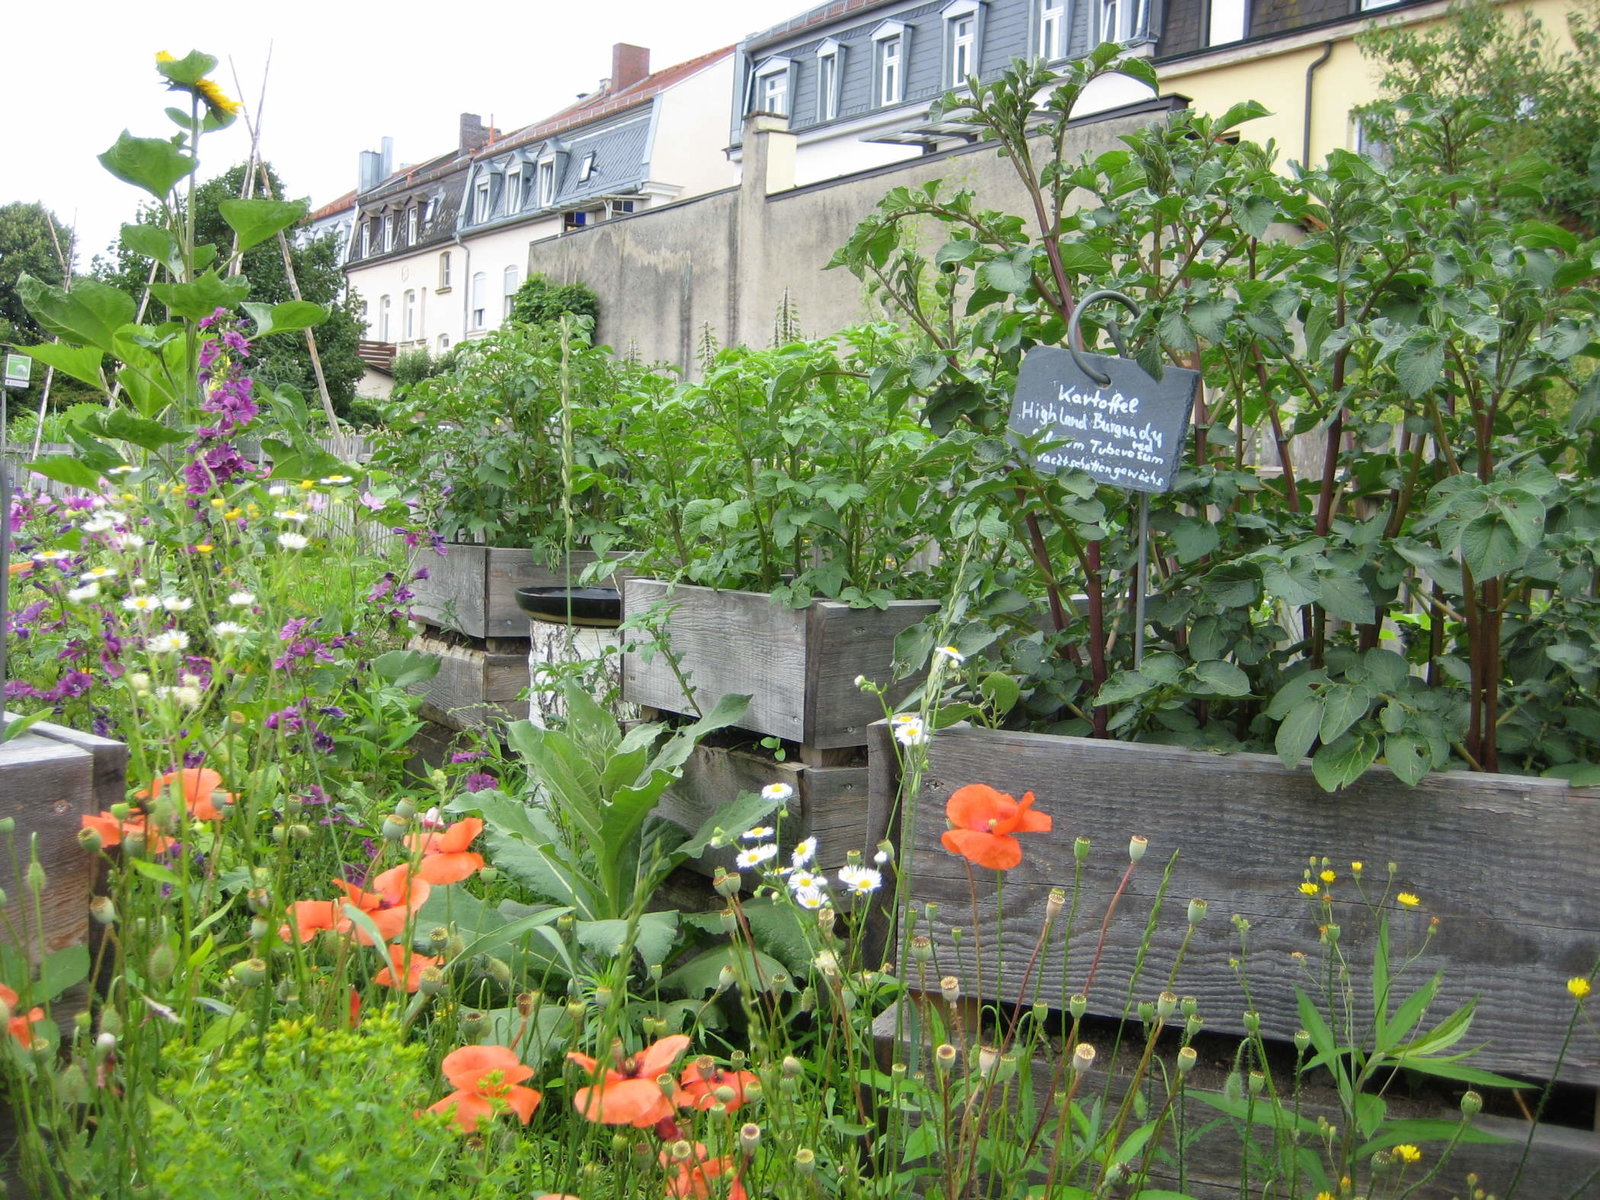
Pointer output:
828, 80
514, 189
509, 288
961, 42
480, 202
770, 93
480, 289
444, 271
443, 342
413, 217
574, 220
1373, 147
547, 182
383, 318
890, 76
366, 238
1228, 21
408, 315
391, 230
586, 167
1121, 20
1053, 30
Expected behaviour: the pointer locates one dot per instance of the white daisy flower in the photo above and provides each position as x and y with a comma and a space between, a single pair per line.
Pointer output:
293, 541
334, 480
229, 629
141, 604
125, 469
755, 856
52, 556
98, 524
804, 852
87, 592
759, 832
127, 541
951, 653
242, 599
96, 574
862, 881
295, 515
170, 642
177, 603
909, 730
812, 898
805, 879
778, 792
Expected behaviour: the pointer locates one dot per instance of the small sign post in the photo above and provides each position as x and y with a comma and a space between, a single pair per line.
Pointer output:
1111, 420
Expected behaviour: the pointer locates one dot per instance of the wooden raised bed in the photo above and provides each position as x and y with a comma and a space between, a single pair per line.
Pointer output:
472, 589
798, 666
1506, 863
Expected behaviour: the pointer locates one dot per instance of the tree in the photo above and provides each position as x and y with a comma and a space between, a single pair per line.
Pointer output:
279, 359
541, 300
26, 247
1490, 89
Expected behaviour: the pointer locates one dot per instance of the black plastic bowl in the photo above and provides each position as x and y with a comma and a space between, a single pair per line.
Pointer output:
599, 607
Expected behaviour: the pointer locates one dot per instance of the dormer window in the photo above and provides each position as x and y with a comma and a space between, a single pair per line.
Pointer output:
586, 167
829, 56
963, 43
389, 232
514, 188
771, 87
1053, 30
889, 53
547, 182
413, 220
480, 201
1122, 20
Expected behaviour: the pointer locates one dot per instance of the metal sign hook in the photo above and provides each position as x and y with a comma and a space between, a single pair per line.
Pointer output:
1074, 340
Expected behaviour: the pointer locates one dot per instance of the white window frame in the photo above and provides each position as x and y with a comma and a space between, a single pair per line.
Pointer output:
366, 238
391, 230
444, 271
963, 42
889, 56
479, 310
1052, 30
513, 189
408, 315
383, 318
443, 342
1123, 21
771, 87
545, 181
830, 64
586, 167
482, 194
508, 286
412, 224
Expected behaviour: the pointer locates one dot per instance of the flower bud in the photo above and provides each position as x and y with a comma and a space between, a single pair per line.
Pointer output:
1252, 1022
90, 839
527, 1003
258, 900
1233, 1087
791, 1066
725, 978
1471, 1104
1136, 847
1077, 1005
110, 1022
1080, 849
1187, 1057
455, 946
163, 962
299, 832
105, 1046
249, 972
496, 970
103, 910
35, 876
1302, 1039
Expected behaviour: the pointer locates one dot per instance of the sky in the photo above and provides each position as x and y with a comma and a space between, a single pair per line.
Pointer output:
342, 75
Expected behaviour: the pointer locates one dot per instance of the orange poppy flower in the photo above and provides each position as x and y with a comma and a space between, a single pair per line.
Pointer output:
21, 1027
701, 1079
445, 857
199, 784
629, 1093
984, 820
406, 971
398, 894
112, 830
486, 1080
694, 1178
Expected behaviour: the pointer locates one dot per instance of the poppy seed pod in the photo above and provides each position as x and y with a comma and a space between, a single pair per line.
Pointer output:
1083, 1055
1136, 847
1187, 1057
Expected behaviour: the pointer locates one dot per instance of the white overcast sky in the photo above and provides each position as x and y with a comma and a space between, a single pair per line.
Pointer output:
343, 75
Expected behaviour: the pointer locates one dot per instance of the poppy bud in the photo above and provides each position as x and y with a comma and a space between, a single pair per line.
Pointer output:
1471, 1104
90, 839
1186, 1059
103, 910
258, 928
163, 962
394, 829
249, 972
1136, 847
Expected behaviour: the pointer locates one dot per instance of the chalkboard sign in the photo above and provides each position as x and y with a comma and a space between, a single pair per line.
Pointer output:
1128, 433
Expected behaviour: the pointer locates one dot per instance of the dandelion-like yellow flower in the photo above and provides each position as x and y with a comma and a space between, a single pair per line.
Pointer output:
1326, 1196
1355, 868
203, 548
1579, 987
1407, 1153
1408, 900
233, 514
1328, 876
1310, 889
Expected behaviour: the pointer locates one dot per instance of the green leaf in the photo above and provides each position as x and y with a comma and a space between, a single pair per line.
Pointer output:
652, 936
1297, 731
1342, 763
153, 164
746, 811
1000, 692
701, 975
285, 317
1408, 756
64, 468
17, 726
1233, 585
1124, 685
254, 221
80, 362
157, 872
1490, 547
402, 668
202, 297
122, 425
1345, 597
152, 241
89, 315
1194, 538
1222, 678
1342, 706
61, 970
188, 70
1077, 257
1419, 362
1008, 274
1450, 1069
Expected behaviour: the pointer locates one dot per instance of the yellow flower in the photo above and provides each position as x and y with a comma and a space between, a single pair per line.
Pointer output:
1355, 868
1407, 1153
1408, 900
1325, 1196
1309, 888
216, 99
1579, 987
218, 502
233, 514
163, 56
203, 548
1327, 877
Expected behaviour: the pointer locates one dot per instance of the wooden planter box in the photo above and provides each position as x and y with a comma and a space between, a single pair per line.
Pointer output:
1506, 863
472, 589
478, 682
797, 665
51, 776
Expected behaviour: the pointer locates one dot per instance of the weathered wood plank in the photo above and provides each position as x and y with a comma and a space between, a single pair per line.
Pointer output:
110, 760
45, 787
1506, 864
472, 589
473, 686
829, 803
797, 665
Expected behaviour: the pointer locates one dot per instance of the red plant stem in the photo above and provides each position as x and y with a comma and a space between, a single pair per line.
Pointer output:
1105, 927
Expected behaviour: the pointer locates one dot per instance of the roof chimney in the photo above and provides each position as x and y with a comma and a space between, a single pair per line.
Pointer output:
474, 134
629, 64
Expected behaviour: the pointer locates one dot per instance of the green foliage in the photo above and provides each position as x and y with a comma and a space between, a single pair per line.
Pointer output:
1502, 87
27, 248
540, 301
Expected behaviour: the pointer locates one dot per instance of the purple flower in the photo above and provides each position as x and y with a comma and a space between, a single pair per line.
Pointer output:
464, 756
480, 781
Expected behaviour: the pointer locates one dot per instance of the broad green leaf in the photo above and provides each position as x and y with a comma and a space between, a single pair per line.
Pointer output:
1000, 691
1345, 597
1222, 678
1419, 362
80, 362
1297, 731
1343, 705
64, 468
1123, 686
190, 69
1194, 538
202, 297
727, 822
152, 241
1233, 585
1343, 762
405, 667
153, 164
1083, 260
1450, 1069
1490, 547
89, 315
653, 936
285, 317
122, 425
254, 221
1007, 275
701, 975
1408, 756
61, 970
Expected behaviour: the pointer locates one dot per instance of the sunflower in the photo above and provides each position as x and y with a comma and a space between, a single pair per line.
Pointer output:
189, 75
